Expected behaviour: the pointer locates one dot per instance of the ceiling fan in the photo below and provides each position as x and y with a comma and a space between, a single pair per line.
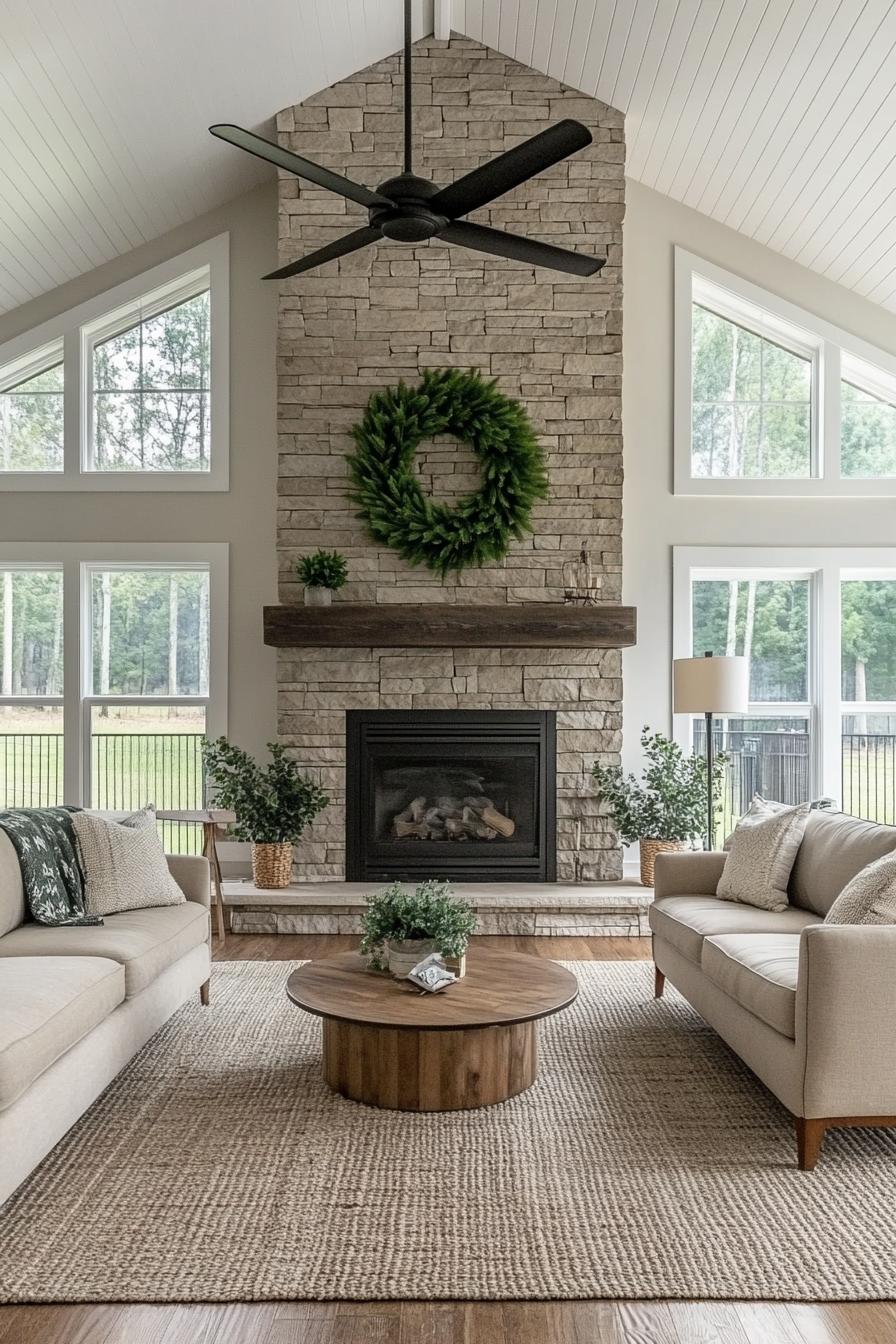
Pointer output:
410, 209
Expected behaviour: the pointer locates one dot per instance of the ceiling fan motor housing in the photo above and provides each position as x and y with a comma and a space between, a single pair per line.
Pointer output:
411, 220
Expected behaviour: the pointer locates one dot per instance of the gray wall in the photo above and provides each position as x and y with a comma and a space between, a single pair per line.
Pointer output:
245, 515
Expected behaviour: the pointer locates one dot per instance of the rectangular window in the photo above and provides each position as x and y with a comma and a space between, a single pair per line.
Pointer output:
31, 680
771, 399
129, 391
126, 728
819, 628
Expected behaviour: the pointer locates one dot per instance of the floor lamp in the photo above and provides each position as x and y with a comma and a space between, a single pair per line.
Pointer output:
709, 686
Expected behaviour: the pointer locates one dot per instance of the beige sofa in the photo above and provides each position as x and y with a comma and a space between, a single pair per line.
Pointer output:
77, 1003
810, 1007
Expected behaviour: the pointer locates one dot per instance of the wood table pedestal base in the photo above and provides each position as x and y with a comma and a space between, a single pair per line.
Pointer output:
446, 1070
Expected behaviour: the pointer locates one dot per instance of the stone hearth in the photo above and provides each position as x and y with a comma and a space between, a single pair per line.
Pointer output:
613, 910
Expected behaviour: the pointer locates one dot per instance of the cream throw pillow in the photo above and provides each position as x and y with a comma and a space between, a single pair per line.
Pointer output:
869, 897
763, 849
124, 864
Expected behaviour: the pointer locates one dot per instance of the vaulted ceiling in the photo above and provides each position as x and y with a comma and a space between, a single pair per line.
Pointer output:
776, 117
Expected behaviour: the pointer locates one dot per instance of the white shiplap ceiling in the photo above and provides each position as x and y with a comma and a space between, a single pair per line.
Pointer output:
775, 117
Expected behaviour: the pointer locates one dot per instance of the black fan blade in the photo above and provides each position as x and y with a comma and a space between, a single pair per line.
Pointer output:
350, 243
509, 170
294, 163
512, 246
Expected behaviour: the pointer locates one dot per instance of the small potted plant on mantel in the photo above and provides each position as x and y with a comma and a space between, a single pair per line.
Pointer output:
666, 809
273, 805
401, 927
323, 574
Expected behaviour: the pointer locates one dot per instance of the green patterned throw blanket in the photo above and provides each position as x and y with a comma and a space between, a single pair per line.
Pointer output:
44, 839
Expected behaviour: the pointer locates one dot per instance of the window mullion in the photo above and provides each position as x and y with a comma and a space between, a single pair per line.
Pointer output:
72, 403
72, 719
826, 646
828, 444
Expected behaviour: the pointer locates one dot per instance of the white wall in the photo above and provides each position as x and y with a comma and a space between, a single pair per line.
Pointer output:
654, 520
245, 516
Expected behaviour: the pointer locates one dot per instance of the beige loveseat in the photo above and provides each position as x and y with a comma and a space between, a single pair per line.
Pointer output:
77, 1003
810, 1007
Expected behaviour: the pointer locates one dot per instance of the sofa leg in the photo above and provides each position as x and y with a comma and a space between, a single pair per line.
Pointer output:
809, 1138
204, 992
659, 982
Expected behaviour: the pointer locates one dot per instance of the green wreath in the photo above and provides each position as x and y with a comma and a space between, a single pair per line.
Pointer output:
480, 527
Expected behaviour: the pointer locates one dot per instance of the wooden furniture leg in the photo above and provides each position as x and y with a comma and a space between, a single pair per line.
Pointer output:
210, 850
659, 982
809, 1138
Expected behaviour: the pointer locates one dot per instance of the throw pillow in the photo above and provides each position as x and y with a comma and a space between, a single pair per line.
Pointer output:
869, 897
124, 864
763, 849
759, 808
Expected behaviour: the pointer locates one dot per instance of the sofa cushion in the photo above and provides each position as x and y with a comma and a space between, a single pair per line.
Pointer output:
12, 894
684, 921
46, 1005
835, 847
145, 942
759, 971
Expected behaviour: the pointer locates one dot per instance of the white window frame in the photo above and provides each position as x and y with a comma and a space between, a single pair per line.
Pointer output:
825, 567
78, 562
82, 327
797, 329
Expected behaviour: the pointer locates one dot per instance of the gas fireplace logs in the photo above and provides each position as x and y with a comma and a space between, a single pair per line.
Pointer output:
449, 818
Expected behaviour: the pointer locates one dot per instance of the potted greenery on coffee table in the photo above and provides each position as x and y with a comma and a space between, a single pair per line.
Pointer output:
323, 574
273, 804
401, 927
666, 808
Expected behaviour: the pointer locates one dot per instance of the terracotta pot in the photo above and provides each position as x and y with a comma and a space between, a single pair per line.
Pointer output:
272, 865
405, 953
316, 596
649, 850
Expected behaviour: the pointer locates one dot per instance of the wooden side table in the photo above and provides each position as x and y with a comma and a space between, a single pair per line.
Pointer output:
210, 819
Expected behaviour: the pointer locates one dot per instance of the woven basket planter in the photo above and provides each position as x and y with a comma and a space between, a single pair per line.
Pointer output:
649, 850
272, 865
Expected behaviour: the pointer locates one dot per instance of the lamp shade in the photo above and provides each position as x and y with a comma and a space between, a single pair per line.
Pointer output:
710, 685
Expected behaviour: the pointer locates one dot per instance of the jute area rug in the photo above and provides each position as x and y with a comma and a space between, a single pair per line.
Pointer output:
645, 1162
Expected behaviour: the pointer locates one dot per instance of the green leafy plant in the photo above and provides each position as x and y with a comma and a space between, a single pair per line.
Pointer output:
273, 803
395, 914
669, 801
480, 526
323, 569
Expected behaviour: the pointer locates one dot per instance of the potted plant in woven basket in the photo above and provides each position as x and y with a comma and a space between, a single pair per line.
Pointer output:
273, 805
399, 927
323, 574
666, 808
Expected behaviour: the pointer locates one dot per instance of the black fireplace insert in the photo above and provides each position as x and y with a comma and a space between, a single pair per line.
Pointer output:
462, 794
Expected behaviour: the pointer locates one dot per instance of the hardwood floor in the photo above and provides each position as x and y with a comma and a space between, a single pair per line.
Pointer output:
452, 1323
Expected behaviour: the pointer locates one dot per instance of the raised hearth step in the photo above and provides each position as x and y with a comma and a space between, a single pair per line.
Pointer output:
611, 909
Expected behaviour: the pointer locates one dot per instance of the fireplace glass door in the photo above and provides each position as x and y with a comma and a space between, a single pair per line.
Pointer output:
451, 794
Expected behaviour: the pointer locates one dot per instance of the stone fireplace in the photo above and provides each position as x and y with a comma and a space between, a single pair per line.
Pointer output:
550, 340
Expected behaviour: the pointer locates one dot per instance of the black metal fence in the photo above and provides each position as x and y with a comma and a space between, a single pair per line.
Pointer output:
128, 770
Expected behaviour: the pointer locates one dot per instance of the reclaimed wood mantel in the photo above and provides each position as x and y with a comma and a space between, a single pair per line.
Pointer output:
532, 625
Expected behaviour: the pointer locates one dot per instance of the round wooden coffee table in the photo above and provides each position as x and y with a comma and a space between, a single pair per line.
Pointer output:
473, 1044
